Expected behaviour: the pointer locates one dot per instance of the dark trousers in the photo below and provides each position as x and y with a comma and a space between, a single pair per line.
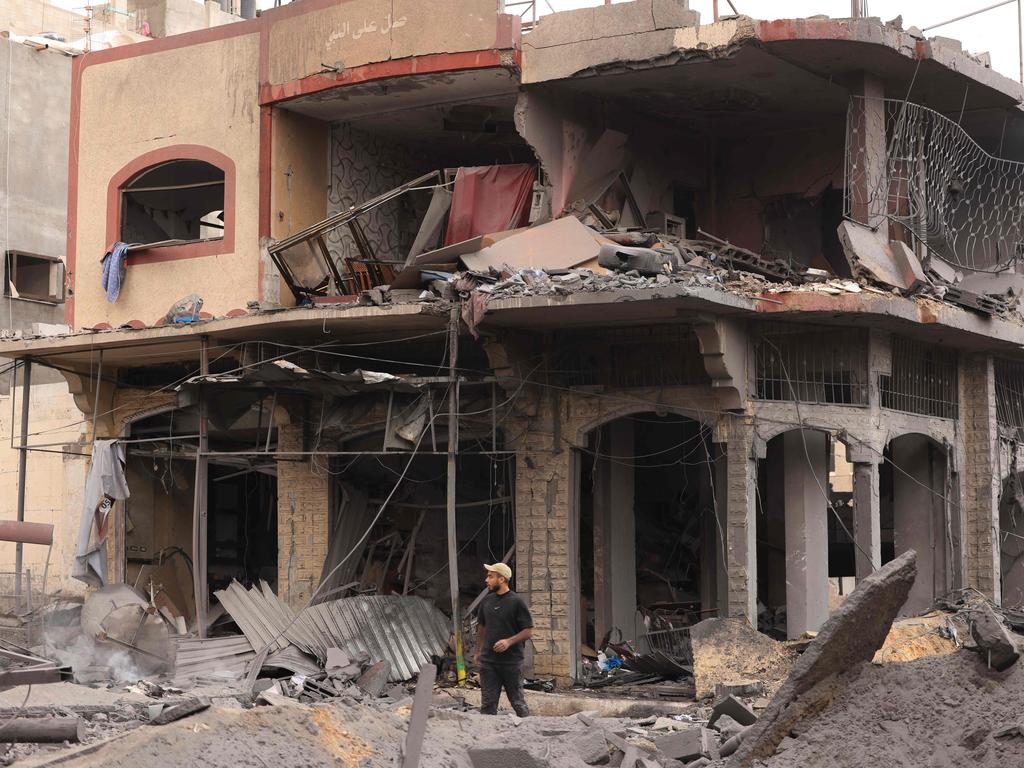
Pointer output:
494, 677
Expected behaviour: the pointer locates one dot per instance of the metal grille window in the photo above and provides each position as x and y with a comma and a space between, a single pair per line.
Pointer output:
657, 356
812, 364
923, 380
1010, 395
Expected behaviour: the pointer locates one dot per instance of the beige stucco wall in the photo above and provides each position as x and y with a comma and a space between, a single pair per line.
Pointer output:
55, 484
300, 180
203, 94
359, 32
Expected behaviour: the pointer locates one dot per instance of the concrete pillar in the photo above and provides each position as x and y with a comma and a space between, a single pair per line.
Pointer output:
806, 531
615, 534
867, 529
737, 498
918, 521
869, 196
303, 514
981, 474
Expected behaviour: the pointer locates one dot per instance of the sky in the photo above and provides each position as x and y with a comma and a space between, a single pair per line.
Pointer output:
994, 31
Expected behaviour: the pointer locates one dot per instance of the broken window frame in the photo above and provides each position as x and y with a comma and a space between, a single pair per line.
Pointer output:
313, 236
11, 277
126, 188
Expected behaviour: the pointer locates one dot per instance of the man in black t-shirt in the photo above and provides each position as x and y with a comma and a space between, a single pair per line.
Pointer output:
504, 625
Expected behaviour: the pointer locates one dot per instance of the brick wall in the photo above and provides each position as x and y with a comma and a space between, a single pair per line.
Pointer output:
302, 520
981, 481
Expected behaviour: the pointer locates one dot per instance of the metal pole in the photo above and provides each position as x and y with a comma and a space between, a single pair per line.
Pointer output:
1020, 43
453, 447
26, 387
968, 15
199, 510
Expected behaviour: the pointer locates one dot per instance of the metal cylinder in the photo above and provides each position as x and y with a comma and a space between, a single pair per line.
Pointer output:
26, 533
248, 9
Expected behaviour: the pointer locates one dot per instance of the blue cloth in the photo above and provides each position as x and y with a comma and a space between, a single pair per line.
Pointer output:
114, 269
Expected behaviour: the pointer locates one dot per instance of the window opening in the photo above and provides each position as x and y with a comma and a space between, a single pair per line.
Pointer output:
174, 202
28, 276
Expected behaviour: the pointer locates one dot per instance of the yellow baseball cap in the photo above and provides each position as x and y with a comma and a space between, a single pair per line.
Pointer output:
499, 568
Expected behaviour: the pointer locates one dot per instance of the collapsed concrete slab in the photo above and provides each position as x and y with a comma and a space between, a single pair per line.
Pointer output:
851, 636
870, 256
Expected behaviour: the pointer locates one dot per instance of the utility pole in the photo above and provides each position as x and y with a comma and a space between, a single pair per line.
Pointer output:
26, 387
199, 510
453, 447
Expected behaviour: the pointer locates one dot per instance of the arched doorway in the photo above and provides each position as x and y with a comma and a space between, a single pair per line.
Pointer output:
650, 546
805, 518
915, 487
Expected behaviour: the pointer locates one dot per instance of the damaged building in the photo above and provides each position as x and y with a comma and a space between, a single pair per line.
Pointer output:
683, 317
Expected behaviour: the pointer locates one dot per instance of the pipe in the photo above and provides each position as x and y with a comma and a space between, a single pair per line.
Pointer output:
26, 533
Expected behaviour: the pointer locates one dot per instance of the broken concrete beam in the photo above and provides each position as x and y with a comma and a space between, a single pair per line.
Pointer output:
43, 731
592, 747
504, 757
735, 709
869, 254
850, 637
909, 265
686, 745
995, 643
739, 688
170, 714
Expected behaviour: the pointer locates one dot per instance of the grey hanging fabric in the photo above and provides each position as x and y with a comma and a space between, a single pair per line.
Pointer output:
105, 485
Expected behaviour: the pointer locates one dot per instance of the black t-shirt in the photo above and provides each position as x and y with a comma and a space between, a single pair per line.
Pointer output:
502, 616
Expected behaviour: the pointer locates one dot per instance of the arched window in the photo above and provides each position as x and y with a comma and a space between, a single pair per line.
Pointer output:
174, 202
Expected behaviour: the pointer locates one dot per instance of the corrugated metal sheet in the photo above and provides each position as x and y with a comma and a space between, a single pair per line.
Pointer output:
228, 656
406, 631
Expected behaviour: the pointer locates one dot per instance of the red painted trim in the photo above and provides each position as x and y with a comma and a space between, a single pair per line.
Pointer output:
414, 65
184, 40
174, 252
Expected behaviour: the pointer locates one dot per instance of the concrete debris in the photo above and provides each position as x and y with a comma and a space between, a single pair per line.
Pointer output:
592, 747
686, 745
851, 636
995, 643
727, 649
733, 708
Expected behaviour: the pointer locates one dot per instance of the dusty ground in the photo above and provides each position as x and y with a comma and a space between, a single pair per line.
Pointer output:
937, 712
328, 735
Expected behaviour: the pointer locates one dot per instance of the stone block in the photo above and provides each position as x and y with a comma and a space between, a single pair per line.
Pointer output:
592, 747
735, 709
686, 745
850, 637
995, 643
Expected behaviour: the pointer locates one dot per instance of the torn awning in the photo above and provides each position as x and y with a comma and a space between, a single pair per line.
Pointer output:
490, 198
284, 375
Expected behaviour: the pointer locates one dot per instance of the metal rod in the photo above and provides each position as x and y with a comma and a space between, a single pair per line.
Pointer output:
199, 509
968, 15
270, 422
26, 387
96, 395
1020, 44
453, 447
